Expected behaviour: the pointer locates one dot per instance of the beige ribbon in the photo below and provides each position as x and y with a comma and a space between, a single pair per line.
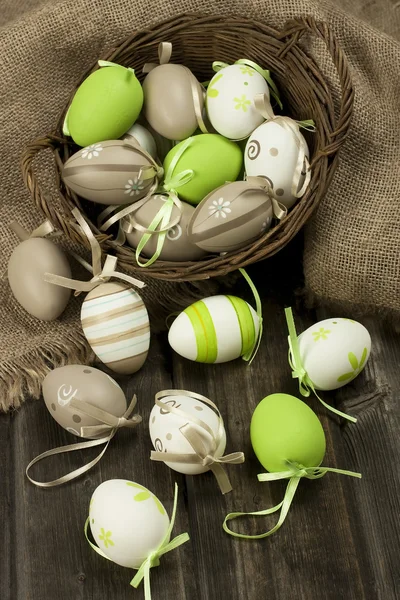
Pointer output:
262, 105
41, 231
204, 448
261, 182
100, 274
164, 56
108, 426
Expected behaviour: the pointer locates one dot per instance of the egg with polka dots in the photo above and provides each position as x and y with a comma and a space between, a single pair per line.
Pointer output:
79, 382
166, 435
230, 101
272, 151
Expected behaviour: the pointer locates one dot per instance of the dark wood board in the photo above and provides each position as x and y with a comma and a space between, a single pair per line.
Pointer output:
340, 539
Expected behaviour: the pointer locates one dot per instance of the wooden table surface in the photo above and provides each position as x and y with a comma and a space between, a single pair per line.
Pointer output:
340, 539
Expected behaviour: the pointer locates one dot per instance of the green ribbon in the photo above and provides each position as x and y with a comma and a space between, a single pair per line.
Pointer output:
298, 371
251, 354
153, 560
294, 473
307, 124
218, 65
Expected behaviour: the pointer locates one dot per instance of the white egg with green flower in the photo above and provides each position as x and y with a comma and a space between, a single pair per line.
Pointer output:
334, 351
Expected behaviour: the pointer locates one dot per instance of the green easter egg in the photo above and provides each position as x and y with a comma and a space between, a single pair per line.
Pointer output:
214, 160
284, 428
105, 105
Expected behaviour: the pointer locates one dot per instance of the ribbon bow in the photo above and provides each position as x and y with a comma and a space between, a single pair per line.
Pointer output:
100, 275
294, 473
153, 560
204, 446
298, 371
108, 427
197, 90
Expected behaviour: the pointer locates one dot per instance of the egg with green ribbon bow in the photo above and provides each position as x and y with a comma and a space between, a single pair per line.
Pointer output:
278, 151
230, 98
198, 165
131, 527
215, 330
105, 105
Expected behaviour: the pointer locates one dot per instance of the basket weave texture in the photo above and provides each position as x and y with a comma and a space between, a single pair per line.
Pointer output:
197, 41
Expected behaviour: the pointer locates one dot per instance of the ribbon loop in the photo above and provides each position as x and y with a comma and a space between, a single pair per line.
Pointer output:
204, 446
298, 371
109, 425
44, 229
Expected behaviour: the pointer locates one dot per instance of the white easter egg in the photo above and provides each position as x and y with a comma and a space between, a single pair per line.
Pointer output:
116, 325
166, 435
215, 330
143, 137
272, 152
127, 521
334, 351
230, 101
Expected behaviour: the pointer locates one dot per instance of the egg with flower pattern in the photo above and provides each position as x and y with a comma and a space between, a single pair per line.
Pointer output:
110, 172
230, 217
128, 522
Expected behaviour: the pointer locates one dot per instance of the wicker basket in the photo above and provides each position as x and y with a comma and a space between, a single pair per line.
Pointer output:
197, 41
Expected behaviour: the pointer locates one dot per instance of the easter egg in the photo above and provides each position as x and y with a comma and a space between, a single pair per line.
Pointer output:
272, 151
90, 385
215, 330
230, 217
177, 246
108, 173
30, 260
230, 101
143, 137
334, 351
214, 160
116, 325
166, 435
127, 521
284, 428
105, 106
168, 101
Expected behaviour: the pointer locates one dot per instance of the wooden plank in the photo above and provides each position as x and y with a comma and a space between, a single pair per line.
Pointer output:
314, 554
6, 508
53, 560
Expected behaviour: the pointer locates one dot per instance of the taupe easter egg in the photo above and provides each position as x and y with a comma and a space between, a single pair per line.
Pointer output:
177, 246
168, 101
116, 325
82, 383
230, 217
108, 173
29, 262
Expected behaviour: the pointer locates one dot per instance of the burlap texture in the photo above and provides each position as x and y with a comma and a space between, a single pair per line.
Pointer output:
351, 252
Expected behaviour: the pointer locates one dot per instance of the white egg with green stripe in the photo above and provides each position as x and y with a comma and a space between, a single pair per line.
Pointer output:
215, 330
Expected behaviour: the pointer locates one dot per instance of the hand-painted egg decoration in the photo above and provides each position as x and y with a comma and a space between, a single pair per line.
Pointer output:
143, 137
177, 246
230, 101
83, 383
166, 435
214, 161
334, 351
283, 428
127, 521
108, 173
30, 260
172, 113
273, 151
105, 105
116, 325
230, 217
215, 330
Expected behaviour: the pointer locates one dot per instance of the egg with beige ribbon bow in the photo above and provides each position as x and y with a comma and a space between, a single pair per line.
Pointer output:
278, 151
188, 434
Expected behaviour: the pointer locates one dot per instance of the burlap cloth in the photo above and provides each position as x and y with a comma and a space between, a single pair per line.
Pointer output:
352, 245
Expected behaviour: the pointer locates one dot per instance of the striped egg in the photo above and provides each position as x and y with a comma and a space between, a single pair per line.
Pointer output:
215, 330
116, 325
